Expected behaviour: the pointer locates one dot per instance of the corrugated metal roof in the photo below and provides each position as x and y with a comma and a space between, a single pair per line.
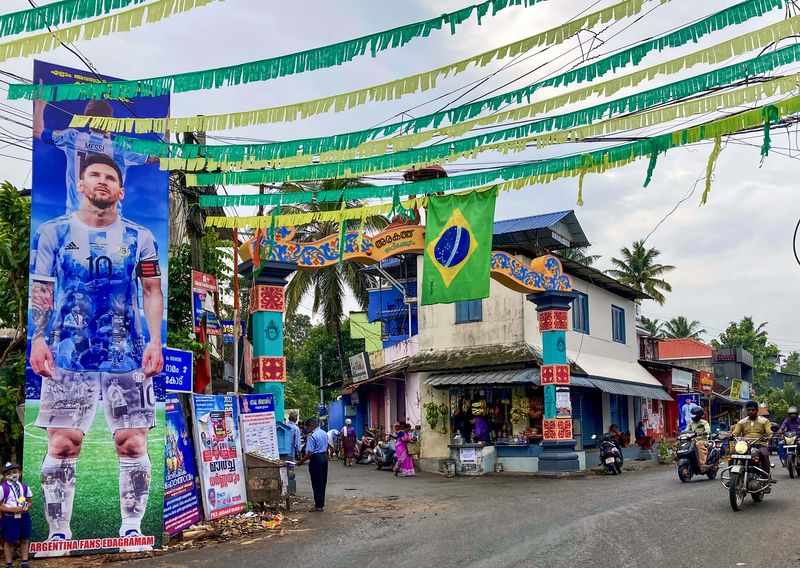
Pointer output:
630, 389
529, 223
684, 348
514, 376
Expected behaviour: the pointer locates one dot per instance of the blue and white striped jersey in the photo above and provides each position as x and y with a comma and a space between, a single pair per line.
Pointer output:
96, 323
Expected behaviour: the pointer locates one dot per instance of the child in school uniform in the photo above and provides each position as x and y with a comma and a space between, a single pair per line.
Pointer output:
15, 502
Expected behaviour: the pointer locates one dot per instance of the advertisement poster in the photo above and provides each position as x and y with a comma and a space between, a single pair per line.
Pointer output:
736, 389
204, 299
227, 330
563, 403
686, 402
94, 408
259, 429
181, 507
219, 452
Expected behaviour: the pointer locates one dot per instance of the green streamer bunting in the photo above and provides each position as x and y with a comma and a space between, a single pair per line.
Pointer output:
636, 102
542, 171
473, 146
271, 68
57, 14
733, 15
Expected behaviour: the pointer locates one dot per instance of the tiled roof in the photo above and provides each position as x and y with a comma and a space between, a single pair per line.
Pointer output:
683, 349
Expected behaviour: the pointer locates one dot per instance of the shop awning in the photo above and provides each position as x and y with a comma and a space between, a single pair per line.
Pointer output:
508, 377
628, 388
725, 399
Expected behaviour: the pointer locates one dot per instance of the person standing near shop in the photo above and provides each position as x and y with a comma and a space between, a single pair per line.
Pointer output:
317, 456
481, 429
295, 444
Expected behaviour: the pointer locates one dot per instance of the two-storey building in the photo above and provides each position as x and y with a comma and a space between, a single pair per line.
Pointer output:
481, 358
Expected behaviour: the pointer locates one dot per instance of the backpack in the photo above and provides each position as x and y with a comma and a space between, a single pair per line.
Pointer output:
6, 490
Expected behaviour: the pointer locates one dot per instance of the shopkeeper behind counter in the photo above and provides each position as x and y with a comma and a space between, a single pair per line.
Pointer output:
480, 429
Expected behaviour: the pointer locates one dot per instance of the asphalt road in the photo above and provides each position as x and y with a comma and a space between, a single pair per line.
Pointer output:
646, 518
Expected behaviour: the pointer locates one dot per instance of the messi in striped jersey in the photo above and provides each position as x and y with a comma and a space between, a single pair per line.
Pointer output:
87, 271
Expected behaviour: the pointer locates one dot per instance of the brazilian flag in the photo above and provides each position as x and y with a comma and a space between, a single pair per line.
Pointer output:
458, 247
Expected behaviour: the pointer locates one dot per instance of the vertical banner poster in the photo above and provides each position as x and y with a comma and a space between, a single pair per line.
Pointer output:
563, 403
94, 408
181, 507
259, 429
204, 300
219, 451
686, 402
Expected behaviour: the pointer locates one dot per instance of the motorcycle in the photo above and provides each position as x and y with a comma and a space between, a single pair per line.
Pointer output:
689, 458
790, 440
365, 448
610, 454
745, 475
385, 455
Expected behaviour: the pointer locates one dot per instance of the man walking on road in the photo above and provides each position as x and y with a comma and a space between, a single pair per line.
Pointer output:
317, 456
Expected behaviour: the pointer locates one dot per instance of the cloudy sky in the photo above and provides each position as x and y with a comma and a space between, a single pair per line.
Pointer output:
733, 256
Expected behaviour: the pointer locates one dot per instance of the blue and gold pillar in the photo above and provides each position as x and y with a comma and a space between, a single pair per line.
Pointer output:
267, 305
558, 449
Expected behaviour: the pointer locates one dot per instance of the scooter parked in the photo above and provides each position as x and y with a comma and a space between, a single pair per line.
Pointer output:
689, 458
385, 454
365, 448
610, 454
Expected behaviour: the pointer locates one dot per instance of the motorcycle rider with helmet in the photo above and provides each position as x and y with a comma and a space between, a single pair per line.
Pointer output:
753, 427
791, 424
702, 428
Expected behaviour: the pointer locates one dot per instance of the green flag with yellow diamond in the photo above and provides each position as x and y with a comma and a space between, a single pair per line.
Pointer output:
458, 247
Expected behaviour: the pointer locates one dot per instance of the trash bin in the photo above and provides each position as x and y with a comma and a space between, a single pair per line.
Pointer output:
267, 480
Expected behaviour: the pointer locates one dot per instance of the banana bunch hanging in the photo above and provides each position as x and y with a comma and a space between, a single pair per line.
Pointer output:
520, 409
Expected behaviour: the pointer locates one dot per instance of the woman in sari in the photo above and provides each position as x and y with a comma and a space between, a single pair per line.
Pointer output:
348, 443
405, 464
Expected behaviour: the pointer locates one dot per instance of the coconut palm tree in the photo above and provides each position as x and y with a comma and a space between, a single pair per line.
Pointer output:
680, 327
578, 254
329, 285
655, 327
638, 269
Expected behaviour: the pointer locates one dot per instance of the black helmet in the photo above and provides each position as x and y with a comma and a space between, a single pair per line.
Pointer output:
697, 413
751, 404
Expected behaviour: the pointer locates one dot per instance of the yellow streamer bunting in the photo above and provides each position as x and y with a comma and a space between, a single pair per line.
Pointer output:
712, 162
545, 171
118, 22
472, 147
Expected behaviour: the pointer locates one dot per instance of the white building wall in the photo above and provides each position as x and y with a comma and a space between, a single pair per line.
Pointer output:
502, 322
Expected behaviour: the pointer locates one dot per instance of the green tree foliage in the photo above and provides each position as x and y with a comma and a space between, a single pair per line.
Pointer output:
792, 364
217, 260
638, 269
578, 254
331, 284
680, 327
779, 401
654, 326
15, 225
747, 335
303, 345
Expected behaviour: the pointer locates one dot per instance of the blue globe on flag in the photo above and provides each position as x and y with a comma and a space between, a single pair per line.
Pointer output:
452, 248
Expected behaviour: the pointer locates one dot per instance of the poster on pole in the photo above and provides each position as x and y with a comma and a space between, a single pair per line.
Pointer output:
686, 402
181, 506
259, 429
94, 408
563, 403
219, 452
227, 330
205, 297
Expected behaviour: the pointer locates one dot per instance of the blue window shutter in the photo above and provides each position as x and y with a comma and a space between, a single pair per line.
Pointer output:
476, 310
462, 314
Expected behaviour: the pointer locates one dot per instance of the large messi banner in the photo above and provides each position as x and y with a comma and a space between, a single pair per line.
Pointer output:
94, 409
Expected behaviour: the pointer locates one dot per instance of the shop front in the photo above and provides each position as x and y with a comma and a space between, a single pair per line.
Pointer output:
508, 405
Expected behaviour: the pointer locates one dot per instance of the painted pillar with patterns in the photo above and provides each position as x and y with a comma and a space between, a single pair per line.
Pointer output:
267, 305
558, 449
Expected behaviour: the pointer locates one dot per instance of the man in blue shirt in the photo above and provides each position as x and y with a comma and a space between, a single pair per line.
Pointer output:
294, 437
317, 456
